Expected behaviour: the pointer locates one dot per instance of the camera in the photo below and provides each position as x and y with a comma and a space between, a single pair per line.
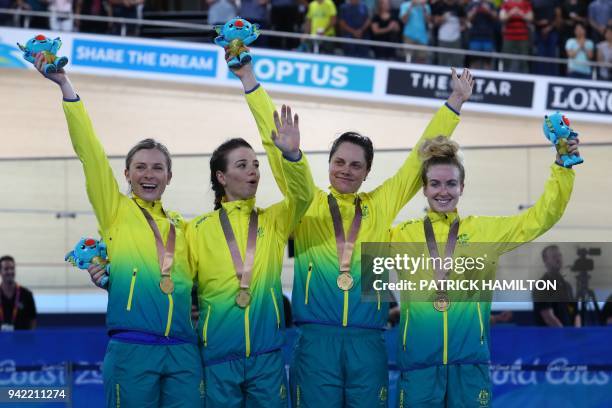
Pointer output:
584, 264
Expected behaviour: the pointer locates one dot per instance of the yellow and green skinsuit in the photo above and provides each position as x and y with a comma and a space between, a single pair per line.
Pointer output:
135, 301
341, 356
460, 336
241, 347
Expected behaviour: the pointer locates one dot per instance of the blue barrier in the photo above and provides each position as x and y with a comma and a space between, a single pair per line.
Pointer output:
531, 367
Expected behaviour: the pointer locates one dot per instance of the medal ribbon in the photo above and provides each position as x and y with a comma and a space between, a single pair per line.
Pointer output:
165, 255
15, 306
344, 247
451, 242
244, 268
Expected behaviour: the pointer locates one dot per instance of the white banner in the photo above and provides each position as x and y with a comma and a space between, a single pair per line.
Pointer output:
311, 74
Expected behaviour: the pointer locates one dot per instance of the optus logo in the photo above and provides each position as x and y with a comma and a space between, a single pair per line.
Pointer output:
314, 74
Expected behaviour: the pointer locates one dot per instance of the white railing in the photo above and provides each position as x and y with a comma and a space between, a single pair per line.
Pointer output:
315, 39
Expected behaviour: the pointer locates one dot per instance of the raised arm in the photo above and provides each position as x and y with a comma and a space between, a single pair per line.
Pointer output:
263, 111
396, 191
525, 227
296, 172
102, 188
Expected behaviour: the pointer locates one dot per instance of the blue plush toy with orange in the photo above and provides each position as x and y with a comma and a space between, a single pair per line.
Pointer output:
49, 48
89, 251
234, 36
557, 129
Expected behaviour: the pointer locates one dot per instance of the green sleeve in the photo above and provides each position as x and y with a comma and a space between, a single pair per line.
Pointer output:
102, 188
396, 191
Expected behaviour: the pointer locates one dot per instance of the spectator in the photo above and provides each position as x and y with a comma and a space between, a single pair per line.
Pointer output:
17, 307
562, 312
416, 15
515, 16
600, 14
482, 16
386, 28
61, 18
34, 5
354, 24
95, 8
572, 12
256, 11
450, 18
547, 17
604, 53
126, 9
321, 20
6, 19
221, 11
579, 50
284, 16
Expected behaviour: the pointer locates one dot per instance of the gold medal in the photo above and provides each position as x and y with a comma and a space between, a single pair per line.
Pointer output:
345, 281
166, 285
442, 302
243, 298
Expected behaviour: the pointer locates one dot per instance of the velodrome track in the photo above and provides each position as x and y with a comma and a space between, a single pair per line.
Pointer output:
40, 177
195, 118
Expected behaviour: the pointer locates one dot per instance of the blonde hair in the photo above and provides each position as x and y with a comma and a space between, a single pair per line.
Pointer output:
440, 150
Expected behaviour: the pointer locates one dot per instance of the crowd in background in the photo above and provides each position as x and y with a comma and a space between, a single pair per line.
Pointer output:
580, 30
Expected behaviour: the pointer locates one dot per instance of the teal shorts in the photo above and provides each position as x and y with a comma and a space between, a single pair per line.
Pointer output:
456, 386
152, 376
257, 381
339, 367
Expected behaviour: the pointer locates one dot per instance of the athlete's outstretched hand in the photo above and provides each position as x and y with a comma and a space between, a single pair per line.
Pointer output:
60, 77
287, 134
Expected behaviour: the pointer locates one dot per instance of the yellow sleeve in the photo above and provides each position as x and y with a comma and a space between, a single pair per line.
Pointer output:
190, 237
300, 193
396, 191
102, 188
513, 230
263, 108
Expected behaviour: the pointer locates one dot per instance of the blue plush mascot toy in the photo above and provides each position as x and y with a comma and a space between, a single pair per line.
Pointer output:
234, 36
557, 129
49, 48
89, 251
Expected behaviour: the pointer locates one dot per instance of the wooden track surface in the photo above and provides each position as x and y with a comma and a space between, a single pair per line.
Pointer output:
195, 118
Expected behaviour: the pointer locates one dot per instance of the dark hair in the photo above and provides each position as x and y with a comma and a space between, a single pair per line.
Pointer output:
218, 162
545, 251
440, 150
148, 144
578, 23
357, 139
7, 258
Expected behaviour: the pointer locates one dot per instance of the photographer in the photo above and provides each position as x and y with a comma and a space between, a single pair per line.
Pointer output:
561, 312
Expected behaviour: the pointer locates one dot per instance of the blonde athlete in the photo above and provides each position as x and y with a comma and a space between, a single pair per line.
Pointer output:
340, 359
237, 252
444, 348
152, 359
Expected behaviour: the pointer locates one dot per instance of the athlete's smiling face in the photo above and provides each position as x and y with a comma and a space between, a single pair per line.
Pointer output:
443, 187
348, 168
148, 174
